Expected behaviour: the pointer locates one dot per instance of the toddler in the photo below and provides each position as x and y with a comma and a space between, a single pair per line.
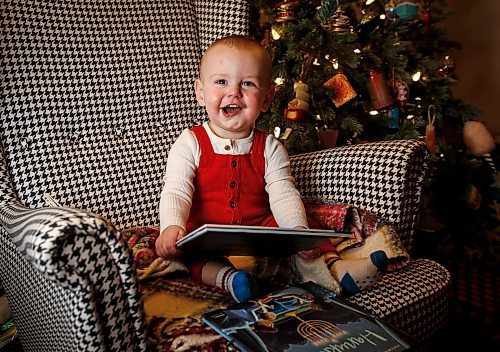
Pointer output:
226, 171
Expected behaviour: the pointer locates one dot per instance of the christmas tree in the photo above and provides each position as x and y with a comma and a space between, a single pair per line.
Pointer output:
353, 71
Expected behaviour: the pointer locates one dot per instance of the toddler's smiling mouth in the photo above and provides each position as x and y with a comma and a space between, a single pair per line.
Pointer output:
231, 109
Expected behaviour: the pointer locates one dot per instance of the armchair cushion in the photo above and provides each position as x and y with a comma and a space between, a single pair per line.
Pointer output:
173, 300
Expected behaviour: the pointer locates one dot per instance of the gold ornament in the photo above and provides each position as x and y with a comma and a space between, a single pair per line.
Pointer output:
338, 23
286, 11
297, 107
342, 89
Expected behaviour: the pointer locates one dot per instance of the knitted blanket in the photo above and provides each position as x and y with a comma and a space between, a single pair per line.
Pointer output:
173, 303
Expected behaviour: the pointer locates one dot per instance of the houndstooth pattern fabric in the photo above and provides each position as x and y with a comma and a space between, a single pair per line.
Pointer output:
97, 91
414, 298
216, 18
33, 295
383, 177
91, 266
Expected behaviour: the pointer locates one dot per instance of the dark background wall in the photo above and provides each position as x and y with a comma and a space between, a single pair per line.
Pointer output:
476, 26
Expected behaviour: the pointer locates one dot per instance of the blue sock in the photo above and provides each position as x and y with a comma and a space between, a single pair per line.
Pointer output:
237, 282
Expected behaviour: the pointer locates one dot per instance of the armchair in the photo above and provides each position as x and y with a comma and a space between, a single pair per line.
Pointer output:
94, 94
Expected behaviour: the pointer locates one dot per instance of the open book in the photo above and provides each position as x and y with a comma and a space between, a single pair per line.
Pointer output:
306, 317
254, 240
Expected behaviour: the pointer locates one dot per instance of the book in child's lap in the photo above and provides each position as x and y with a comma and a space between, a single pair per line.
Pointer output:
304, 318
255, 240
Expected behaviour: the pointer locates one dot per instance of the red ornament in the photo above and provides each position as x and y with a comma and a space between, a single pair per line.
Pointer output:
378, 90
426, 19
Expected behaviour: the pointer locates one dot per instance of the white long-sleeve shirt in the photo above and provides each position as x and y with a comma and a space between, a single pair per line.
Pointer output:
182, 164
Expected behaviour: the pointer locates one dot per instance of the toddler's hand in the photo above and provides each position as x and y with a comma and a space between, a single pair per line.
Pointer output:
309, 254
165, 244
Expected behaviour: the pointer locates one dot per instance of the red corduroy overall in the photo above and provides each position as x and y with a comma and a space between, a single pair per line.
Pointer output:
229, 189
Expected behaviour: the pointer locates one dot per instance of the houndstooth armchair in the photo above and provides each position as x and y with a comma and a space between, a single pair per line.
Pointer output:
93, 95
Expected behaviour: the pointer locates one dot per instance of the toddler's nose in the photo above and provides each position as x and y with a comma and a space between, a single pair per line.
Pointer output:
234, 90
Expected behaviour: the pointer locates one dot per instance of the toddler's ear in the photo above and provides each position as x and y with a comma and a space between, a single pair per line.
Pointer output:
198, 88
268, 99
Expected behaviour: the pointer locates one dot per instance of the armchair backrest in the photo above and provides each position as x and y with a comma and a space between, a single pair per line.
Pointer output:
95, 92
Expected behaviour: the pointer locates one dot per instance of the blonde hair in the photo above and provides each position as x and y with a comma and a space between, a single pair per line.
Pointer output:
241, 42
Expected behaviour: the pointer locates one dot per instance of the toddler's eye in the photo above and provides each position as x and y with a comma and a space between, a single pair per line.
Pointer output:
220, 81
248, 84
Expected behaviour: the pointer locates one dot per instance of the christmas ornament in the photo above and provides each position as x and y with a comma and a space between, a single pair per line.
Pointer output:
390, 10
426, 20
430, 131
400, 90
338, 22
298, 107
479, 141
286, 11
342, 89
406, 10
378, 90
393, 114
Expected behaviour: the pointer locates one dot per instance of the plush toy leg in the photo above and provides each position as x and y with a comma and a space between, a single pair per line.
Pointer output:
355, 275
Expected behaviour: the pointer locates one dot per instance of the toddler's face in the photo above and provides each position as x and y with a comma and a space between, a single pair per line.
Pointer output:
234, 87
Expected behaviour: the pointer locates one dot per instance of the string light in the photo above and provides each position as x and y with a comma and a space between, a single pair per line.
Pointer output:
357, 51
416, 76
373, 112
277, 132
279, 81
368, 2
275, 34
335, 63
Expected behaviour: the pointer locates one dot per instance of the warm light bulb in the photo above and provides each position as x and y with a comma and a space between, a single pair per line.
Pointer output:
382, 17
416, 76
275, 34
368, 2
373, 112
316, 62
357, 51
279, 81
277, 132
335, 63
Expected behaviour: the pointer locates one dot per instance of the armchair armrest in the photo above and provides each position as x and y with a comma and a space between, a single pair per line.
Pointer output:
383, 177
89, 269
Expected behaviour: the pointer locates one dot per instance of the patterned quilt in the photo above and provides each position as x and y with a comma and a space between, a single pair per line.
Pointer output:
173, 303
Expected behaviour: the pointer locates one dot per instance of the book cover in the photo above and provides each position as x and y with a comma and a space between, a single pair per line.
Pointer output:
254, 240
304, 318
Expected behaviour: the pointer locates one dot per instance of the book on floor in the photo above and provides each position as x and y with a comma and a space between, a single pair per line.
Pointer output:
306, 317
254, 240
